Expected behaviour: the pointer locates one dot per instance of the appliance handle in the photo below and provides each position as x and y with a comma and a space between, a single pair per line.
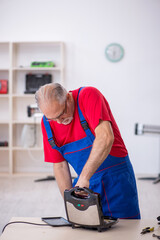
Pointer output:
79, 189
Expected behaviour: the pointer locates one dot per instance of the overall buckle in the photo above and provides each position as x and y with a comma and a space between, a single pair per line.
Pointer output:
84, 124
51, 142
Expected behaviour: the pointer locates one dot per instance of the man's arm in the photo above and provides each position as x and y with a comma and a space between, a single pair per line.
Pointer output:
101, 148
63, 176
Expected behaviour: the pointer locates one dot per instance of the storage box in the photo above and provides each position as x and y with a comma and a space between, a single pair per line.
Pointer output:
3, 86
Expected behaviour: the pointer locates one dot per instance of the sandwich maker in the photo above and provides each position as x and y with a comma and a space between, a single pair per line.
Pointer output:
83, 209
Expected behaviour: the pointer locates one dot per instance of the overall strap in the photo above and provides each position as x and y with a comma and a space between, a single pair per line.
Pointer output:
49, 133
83, 121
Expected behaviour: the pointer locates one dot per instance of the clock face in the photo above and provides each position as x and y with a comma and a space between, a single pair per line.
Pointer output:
114, 52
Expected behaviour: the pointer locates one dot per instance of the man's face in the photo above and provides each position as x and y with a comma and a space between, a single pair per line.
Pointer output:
62, 113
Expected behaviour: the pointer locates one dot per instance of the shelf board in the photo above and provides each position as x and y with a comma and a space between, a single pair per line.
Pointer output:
37, 69
4, 95
38, 42
27, 148
4, 122
38, 121
23, 95
4, 69
4, 174
4, 148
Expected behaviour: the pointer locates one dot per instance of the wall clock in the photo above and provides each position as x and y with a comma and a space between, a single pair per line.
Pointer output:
114, 52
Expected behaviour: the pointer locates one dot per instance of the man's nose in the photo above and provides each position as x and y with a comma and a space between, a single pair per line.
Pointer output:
60, 120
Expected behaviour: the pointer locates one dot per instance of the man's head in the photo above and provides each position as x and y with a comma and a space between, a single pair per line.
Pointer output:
55, 103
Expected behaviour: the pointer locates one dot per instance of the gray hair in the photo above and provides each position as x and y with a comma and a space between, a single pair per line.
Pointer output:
50, 92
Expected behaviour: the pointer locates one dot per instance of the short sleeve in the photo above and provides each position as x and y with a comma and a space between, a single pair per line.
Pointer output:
94, 106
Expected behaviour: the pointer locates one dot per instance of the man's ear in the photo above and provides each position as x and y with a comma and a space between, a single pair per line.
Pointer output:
69, 96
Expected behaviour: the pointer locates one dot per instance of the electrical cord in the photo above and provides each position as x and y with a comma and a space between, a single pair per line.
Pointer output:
38, 224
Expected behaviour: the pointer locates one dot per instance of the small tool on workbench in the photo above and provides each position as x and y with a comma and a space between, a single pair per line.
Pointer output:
157, 236
147, 230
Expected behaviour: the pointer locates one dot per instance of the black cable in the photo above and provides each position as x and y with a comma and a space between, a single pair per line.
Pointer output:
38, 224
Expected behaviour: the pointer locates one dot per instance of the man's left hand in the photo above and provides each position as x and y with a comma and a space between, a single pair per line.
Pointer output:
82, 183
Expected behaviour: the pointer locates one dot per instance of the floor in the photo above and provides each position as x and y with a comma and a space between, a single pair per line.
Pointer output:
23, 197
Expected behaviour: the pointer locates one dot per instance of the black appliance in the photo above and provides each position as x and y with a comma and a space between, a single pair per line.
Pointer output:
35, 81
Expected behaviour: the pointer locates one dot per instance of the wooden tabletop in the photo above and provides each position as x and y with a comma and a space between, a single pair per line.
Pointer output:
123, 230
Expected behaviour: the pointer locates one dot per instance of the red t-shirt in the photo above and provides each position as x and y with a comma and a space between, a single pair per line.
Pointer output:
94, 107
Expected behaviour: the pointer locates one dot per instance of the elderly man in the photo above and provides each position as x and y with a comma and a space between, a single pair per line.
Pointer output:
78, 128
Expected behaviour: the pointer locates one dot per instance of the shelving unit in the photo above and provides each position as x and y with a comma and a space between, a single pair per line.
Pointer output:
15, 60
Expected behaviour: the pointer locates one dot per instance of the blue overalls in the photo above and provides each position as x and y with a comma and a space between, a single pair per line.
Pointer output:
114, 179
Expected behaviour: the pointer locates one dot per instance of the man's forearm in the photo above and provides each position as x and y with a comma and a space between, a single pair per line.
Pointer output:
100, 150
98, 154
63, 176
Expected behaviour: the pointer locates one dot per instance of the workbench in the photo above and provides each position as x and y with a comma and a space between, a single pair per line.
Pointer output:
123, 230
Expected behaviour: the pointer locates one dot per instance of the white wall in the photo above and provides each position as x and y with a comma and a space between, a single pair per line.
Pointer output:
131, 86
